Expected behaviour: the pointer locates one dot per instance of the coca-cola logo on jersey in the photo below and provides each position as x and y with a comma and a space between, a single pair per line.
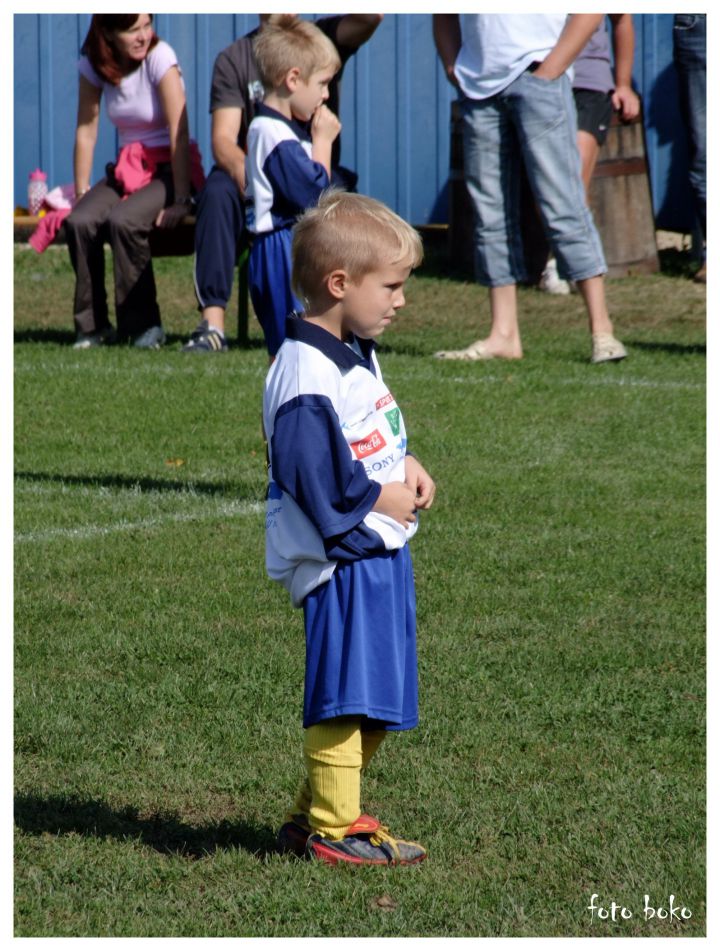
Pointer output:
369, 445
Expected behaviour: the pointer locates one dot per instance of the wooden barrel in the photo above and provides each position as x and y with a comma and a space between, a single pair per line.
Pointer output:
619, 199
621, 203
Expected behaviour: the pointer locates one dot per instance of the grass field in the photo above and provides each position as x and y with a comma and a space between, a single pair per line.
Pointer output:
561, 593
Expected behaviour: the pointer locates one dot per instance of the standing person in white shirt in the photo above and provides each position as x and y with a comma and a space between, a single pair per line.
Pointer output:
517, 107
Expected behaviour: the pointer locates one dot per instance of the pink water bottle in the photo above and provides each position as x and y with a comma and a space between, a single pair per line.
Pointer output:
37, 190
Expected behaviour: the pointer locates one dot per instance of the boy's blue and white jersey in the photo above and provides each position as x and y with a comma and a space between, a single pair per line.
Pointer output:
282, 178
335, 436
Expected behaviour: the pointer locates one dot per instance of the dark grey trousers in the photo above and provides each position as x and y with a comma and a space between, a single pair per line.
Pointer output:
101, 215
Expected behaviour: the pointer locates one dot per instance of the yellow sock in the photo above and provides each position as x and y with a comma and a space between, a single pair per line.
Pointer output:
333, 760
370, 741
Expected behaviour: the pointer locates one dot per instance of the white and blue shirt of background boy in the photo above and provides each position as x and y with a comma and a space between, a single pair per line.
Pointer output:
282, 181
282, 177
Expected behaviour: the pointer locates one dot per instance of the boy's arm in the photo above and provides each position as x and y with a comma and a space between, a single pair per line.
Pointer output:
324, 129
295, 176
624, 98
311, 461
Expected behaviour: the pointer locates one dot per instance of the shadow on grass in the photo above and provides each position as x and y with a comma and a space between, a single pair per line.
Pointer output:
675, 349
45, 335
66, 338
676, 263
236, 492
166, 833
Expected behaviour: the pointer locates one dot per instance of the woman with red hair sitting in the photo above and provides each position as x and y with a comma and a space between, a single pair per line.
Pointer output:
151, 183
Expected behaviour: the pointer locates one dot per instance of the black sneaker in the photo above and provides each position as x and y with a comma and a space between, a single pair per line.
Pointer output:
101, 338
205, 339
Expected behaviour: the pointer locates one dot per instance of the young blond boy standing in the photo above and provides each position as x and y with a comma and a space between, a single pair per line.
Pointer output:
287, 169
341, 508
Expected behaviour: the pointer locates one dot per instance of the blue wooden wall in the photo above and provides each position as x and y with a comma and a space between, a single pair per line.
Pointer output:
395, 106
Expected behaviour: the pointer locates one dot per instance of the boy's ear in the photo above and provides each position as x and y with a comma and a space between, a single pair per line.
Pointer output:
292, 78
336, 283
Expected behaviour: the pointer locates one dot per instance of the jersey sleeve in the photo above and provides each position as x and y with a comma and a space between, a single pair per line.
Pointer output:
294, 175
312, 462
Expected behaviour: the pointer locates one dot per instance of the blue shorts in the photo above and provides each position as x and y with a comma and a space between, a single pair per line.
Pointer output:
269, 273
360, 644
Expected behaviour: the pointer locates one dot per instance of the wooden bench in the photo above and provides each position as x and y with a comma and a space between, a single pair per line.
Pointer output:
168, 242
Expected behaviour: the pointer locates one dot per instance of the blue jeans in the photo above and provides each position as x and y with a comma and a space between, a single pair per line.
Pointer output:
689, 55
532, 121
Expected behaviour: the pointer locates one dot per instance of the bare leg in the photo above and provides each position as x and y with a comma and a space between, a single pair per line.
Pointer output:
503, 341
605, 347
593, 294
589, 151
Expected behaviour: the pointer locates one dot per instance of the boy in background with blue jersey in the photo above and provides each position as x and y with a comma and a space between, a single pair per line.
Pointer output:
287, 167
341, 508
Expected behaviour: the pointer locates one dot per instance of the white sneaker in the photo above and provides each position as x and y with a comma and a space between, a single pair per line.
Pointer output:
550, 280
605, 347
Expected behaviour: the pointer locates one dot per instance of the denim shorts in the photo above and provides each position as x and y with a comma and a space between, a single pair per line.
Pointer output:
533, 121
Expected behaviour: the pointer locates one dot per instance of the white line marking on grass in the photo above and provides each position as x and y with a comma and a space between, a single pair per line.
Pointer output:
93, 531
568, 381
648, 384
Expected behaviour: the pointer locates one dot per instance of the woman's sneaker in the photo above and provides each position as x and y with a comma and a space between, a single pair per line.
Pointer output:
606, 348
365, 843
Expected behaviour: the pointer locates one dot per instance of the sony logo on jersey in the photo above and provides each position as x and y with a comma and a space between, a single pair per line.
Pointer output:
384, 400
369, 445
372, 467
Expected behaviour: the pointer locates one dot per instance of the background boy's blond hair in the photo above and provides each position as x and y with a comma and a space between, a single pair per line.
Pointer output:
285, 42
350, 232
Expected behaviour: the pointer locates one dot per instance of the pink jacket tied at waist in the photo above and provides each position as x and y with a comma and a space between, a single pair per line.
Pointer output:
135, 167
136, 164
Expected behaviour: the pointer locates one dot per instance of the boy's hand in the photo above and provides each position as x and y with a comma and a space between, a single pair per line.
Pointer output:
398, 501
418, 480
325, 125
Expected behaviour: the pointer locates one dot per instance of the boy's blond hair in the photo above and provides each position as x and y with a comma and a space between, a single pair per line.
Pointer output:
286, 42
349, 232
